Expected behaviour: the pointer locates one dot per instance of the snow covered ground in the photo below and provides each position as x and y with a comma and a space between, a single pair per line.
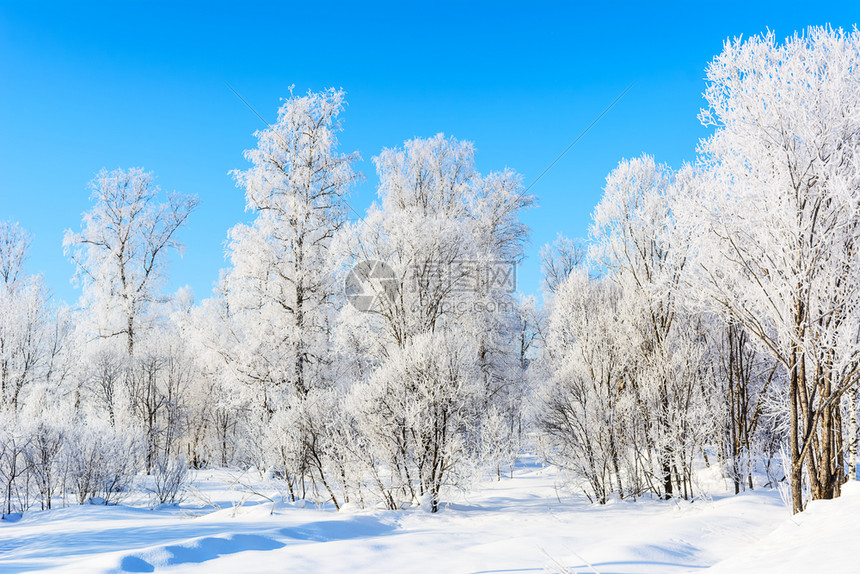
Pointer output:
524, 524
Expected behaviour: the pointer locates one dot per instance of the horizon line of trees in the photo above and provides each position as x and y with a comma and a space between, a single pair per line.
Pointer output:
711, 319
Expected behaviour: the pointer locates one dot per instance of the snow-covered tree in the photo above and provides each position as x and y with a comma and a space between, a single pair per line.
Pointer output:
583, 411
424, 186
744, 378
560, 259
777, 218
270, 323
453, 281
14, 246
638, 245
280, 286
121, 252
419, 409
27, 342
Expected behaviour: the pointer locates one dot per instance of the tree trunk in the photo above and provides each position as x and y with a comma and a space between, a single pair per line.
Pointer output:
796, 465
852, 433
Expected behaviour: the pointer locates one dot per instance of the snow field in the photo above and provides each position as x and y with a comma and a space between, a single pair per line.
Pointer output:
525, 524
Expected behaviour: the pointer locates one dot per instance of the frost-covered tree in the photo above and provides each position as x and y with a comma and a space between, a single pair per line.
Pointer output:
583, 411
43, 456
425, 186
636, 242
745, 376
121, 252
418, 409
14, 246
217, 404
157, 387
778, 222
29, 347
280, 286
270, 323
37, 364
24, 343
494, 321
460, 270
453, 280
560, 259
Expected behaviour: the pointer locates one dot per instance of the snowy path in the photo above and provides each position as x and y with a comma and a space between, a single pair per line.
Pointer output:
514, 525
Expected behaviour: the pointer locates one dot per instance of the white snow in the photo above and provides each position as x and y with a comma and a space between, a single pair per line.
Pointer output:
820, 539
524, 524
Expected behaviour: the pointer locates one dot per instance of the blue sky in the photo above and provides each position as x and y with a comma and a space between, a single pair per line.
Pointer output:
88, 85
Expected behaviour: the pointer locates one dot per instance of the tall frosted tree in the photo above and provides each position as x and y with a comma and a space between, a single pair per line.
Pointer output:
639, 246
122, 249
24, 316
280, 286
14, 245
778, 218
449, 238
278, 293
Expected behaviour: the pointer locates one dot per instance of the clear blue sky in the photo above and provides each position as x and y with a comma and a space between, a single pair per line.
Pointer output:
121, 84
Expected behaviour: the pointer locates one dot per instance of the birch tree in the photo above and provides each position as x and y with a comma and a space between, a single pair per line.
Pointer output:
583, 409
637, 244
281, 279
121, 252
278, 293
25, 337
778, 217
14, 246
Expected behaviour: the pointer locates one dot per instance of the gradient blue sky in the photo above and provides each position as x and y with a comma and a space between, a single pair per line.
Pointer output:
120, 84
